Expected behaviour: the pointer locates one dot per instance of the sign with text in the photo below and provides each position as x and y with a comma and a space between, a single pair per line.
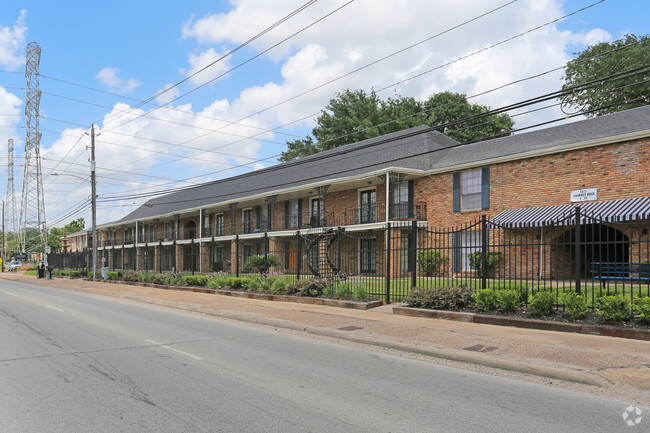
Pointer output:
588, 194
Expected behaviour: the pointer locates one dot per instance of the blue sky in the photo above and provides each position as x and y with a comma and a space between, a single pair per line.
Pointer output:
132, 50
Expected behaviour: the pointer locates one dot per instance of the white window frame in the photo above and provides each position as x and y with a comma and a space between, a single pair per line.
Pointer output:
470, 192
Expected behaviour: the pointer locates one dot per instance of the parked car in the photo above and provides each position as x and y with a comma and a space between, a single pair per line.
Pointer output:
12, 266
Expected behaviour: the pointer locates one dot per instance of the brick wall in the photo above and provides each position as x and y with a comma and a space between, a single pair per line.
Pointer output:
618, 171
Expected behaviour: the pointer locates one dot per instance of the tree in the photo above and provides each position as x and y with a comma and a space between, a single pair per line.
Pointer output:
354, 115
55, 236
74, 226
602, 60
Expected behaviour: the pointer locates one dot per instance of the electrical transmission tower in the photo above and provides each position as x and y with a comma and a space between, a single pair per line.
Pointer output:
10, 210
32, 215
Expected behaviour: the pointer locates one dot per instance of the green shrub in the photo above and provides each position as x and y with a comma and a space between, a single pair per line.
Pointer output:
254, 283
309, 288
113, 275
441, 298
74, 273
279, 285
329, 291
343, 290
195, 280
485, 300
360, 292
237, 283
130, 276
256, 263
615, 308
493, 258
575, 305
218, 281
643, 307
431, 261
508, 300
542, 303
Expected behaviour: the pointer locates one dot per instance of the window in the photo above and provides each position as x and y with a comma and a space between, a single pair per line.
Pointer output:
247, 252
264, 222
406, 260
471, 190
402, 200
217, 258
207, 220
368, 249
292, 213
466, 243
218, 225
316, 214
247, 217
168, 231
368, 206
152, 235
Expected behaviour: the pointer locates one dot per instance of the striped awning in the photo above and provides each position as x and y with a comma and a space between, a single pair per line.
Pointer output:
631, 209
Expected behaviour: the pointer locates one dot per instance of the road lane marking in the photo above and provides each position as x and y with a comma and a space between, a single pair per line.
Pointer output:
174, 349
12, 294
54, 308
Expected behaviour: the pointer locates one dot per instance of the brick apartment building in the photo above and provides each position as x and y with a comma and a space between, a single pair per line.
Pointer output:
418, 177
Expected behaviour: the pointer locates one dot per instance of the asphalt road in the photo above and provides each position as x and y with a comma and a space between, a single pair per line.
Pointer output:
72, 362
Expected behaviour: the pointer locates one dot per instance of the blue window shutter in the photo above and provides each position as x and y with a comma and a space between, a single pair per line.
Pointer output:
286, 214
410, 199
458, 258
485, 188
456, 187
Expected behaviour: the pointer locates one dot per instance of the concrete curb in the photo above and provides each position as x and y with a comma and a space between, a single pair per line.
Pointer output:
607, 331
556, 372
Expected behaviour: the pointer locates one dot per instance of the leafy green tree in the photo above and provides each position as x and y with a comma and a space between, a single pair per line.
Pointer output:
354, 115
74, 226
54, 239
605, 59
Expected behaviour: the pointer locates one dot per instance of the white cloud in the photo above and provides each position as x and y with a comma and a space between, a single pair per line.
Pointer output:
167, 94
12, 43
201, 60
109, 77
192, 141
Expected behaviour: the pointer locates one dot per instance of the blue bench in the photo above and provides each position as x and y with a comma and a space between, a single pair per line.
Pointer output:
620, 271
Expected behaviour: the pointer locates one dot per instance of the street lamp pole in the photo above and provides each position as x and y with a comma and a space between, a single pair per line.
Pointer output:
93, 198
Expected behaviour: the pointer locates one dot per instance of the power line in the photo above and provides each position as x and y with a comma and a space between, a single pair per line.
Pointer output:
531, 101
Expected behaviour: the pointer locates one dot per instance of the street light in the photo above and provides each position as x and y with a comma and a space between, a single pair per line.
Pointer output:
94, 213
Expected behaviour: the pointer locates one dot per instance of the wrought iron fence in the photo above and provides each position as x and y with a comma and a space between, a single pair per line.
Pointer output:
588, 254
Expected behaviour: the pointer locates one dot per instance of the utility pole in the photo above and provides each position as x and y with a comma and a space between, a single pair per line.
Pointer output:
93, 198
4, 237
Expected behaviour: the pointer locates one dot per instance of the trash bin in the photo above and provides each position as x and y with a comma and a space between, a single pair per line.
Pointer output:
41, 272
105, 273
49, 272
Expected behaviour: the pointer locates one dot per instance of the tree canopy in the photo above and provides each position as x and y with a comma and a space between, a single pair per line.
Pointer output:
354, 115
55, 236
602, 60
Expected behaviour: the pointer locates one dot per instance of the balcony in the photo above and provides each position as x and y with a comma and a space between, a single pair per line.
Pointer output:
408, 211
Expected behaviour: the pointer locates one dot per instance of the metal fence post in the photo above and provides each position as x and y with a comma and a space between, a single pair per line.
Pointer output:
338, 261
578, 258
413, 253
266, 252
237, 256
388, 263
299, 254
484, 251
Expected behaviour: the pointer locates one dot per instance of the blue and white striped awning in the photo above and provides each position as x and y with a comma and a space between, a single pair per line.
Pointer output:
631, 209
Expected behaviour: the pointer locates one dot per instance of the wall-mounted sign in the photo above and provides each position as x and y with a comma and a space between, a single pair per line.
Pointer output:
588, 194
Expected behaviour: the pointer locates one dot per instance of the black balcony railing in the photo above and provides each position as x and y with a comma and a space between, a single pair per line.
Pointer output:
408, 211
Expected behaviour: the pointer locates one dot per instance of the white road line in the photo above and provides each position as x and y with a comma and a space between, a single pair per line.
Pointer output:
174, 349
54, 308
12, 294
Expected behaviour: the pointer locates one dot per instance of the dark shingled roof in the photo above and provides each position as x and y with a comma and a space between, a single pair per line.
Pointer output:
416, 148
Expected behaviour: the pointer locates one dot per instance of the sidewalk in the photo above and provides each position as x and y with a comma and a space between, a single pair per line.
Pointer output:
591, 360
